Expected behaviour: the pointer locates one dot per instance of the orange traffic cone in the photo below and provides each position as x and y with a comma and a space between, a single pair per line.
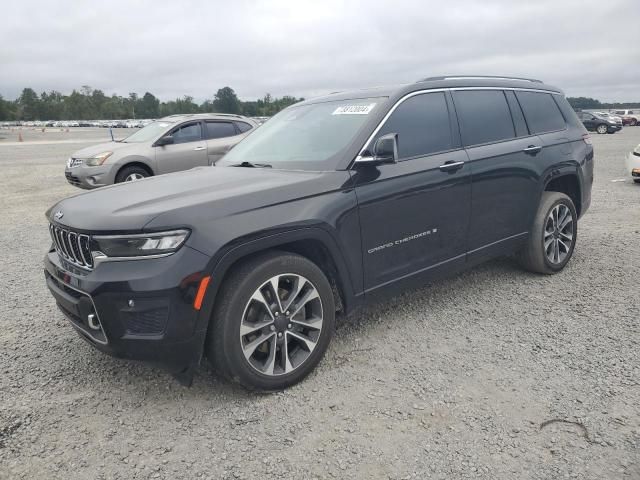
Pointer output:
20, 137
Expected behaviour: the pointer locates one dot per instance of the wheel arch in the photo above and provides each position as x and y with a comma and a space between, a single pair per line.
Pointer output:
133, 163
313, 243
570, 185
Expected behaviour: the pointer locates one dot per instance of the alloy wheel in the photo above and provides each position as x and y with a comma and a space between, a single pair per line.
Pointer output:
132, 177
558, 234
281, 324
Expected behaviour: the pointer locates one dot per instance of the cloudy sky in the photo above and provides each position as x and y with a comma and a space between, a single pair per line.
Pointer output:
307, 48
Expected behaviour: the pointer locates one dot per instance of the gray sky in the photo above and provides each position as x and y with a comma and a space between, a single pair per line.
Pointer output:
308, 48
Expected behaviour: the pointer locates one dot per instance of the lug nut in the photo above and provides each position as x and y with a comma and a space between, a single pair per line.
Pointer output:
289, 326
277, 314
132, 303
272, 328
287, 312
279, 334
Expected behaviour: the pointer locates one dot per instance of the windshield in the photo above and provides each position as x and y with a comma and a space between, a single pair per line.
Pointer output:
305, 136
148, 133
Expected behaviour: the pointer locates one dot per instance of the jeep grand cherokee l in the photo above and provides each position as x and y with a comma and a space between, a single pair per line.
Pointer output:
335, 202
171, 144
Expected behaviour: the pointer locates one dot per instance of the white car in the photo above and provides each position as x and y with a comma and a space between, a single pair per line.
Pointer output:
633, 164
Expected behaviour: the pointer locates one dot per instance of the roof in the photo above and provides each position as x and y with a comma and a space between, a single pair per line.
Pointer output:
186, 116
450, 81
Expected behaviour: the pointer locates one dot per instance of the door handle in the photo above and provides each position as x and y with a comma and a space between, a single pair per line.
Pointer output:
198, 149
451, 166
532, 149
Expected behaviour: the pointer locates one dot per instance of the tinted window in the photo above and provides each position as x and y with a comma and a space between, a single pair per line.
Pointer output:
243, 126
187, 133
422, 125
541, 111
484, 116
220, 130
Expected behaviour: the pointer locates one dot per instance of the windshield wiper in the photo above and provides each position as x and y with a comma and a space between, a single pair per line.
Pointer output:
252, 165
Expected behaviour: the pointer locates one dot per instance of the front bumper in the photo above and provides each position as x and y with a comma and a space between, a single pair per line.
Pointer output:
89, 177
614, 128
136, 309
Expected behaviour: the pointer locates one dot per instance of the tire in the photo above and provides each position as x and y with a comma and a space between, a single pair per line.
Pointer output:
129, 174
534, 257
602, 129
633, 122
636, 180
245, 301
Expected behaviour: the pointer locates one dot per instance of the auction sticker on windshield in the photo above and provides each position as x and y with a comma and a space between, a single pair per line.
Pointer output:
354, 109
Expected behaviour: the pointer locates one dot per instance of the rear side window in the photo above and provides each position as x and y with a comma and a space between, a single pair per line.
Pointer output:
422, 125
541, 111
484, 116
243, 126
220, 130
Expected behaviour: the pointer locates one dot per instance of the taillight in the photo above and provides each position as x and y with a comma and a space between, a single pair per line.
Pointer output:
587, 139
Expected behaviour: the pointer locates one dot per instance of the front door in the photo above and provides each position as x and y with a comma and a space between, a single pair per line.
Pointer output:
414, 214
188, 150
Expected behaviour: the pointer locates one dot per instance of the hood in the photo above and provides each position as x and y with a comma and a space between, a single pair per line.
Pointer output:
185, 198
101, 147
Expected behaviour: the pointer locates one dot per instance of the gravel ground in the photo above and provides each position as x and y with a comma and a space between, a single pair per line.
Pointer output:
495, 374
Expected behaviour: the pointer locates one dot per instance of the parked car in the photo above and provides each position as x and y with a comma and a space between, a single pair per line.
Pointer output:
633, 164
629, 117
334, 203
599, 123
610, 116
174, 143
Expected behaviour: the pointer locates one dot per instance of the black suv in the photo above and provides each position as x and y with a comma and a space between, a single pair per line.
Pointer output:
333, 203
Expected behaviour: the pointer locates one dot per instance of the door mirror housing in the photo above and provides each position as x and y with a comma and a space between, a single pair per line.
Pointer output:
166, 140
385, 150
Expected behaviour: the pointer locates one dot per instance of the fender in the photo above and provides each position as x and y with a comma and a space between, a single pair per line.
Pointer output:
220, 263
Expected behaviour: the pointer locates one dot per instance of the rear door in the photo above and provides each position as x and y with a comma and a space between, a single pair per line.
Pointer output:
504, 175
188, 149
221, 137
414, 214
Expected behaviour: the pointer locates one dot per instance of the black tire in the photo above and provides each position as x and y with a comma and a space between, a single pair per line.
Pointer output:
602, 129
129, 172
633, 122
533, 257
636, 180
223, 347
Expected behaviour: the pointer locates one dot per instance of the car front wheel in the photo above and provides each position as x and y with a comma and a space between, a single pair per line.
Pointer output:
272, 323
602, 128
553, 235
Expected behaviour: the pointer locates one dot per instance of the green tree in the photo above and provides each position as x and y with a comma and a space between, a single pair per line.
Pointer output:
28, 105
148, 106
226, 101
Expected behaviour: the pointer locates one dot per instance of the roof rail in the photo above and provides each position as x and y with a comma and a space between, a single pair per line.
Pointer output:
478, 77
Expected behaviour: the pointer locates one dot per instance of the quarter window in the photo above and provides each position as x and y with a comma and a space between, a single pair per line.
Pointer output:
541, 111
187, 133
243, 126
220, 130
484, 116
422, 125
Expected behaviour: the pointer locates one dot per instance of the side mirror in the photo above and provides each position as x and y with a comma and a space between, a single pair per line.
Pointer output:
166, 140
385, 150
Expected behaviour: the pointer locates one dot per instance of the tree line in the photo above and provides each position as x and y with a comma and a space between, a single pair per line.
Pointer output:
582, 103
92, 104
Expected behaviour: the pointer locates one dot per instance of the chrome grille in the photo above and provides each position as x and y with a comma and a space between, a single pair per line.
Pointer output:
73, 247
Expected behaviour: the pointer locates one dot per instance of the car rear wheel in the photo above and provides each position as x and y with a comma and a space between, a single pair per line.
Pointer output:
553, 235
131, 174
602, 128
633, 122
272, 323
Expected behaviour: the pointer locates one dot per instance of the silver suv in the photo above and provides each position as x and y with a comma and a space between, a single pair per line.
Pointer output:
171, 144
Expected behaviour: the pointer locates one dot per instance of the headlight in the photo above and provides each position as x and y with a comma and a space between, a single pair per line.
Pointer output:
97, 160
142, 245
636, 151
